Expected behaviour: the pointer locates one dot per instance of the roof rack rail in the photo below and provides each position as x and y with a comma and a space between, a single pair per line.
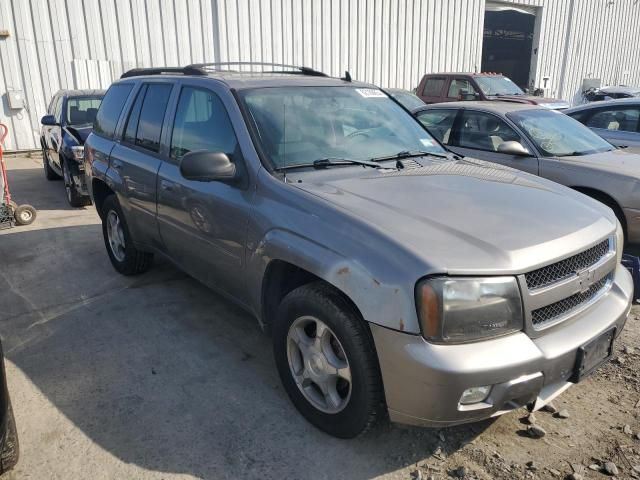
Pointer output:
188, 70
295, 68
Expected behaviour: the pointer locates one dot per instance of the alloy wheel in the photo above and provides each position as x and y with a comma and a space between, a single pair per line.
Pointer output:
115, 235
318, 364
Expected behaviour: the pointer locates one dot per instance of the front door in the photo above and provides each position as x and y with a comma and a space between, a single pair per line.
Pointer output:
53, 135
204, 224
479, 134
619, 125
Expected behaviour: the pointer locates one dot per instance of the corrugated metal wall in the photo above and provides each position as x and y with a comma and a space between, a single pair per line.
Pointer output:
57, 44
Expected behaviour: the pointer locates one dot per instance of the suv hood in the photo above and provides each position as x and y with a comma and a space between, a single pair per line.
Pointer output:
465, 216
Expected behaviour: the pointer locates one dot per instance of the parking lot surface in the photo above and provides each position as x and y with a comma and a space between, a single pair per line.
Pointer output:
156, 376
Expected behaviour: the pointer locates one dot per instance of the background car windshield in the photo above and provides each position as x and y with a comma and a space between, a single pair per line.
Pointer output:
498, 85
558, 135
82, 110
299, 125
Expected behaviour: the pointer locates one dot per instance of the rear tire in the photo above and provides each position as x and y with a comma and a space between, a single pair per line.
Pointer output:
48, 171
74, 198
124, 256
352, 406
11, 448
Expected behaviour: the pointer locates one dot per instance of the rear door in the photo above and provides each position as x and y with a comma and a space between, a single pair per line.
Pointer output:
204, 224
433, 90
138, 156
479, 134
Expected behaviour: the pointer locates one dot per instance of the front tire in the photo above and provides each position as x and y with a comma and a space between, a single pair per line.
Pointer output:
327, 361
74, 197
124, 256
48, 171
11, 448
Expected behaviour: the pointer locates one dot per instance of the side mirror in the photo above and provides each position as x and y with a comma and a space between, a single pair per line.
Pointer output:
206, 166
49, 120
468, 96
513, 148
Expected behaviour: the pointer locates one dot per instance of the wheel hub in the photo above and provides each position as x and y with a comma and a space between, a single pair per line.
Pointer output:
115, 236
318, 364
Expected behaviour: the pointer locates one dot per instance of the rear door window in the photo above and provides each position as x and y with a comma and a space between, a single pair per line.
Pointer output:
144, 126
483, 131
618, 119
433, 87
111, 108
201, 123
439, 123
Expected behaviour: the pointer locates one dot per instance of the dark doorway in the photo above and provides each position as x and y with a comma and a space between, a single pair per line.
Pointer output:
507, 42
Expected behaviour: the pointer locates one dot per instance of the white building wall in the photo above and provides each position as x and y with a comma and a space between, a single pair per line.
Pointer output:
56, 44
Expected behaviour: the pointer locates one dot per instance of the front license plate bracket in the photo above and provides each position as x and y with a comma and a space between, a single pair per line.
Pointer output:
593, 354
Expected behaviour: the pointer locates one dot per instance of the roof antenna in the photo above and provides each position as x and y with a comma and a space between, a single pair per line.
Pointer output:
347, 76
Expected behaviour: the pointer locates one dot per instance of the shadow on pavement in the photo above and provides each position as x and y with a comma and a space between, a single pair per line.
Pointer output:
28, 185
163, 373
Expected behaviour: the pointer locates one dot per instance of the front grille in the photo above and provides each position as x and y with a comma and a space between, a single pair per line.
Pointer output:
563, 269
558, 309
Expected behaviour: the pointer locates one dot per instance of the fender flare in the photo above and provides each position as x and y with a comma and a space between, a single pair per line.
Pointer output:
386, 304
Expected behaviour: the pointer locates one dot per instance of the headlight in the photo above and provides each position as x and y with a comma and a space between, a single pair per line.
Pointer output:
458, 310
619, 241
78, 153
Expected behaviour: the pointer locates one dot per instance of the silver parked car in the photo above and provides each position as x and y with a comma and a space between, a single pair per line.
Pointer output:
545, 143
393, 276
617, 121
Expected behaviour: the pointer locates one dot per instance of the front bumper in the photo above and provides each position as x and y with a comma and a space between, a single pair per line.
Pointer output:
423, 382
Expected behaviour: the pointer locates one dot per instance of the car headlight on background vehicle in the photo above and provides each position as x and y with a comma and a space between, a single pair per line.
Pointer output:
458, 310
78, 153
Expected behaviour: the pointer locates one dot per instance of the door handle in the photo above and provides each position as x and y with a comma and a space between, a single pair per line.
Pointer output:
117, 164
166, 185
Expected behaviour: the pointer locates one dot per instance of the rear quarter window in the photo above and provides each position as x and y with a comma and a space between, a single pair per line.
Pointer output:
433, 87
111, 108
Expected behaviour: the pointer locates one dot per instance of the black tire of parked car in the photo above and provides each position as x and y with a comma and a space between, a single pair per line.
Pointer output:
74, 197
11, 448
135, 261
48, 171
366, 403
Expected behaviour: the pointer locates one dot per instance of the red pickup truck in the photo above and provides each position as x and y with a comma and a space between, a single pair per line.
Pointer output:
452, 87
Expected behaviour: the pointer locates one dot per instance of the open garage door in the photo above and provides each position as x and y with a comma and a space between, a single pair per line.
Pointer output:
508, 41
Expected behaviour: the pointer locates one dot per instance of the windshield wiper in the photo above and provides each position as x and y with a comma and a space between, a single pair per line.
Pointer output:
330, 162
409, 154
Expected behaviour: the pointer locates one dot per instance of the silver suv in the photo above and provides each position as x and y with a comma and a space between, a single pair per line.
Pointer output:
393, 276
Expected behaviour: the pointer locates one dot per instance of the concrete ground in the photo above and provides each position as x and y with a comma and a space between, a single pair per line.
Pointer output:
157, 377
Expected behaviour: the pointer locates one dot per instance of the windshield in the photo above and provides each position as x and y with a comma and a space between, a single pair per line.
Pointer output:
557, 134
82, 110
407, 99
498, 85
298, 125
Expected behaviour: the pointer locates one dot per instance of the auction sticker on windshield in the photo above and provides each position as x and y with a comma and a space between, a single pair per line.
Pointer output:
370, 93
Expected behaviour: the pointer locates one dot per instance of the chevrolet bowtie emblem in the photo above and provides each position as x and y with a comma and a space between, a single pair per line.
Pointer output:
586, 279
